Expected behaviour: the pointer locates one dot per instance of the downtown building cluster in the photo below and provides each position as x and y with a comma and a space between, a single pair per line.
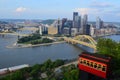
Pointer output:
80, 25
70, 27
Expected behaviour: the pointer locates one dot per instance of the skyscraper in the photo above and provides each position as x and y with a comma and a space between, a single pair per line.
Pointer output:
84, 22
88, 29
85, 18
40, 30
98, 23
76, 21
43, 29
79, 23
64, 20
59, 26
101, 24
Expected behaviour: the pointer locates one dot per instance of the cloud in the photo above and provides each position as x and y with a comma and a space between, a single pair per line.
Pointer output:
101, 4
114, 12
20, 9
83, 11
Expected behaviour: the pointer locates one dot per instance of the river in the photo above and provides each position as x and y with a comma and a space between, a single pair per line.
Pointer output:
37, 55
33, 55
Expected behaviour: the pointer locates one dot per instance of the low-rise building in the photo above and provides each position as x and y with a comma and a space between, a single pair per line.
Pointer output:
74, 31
52, 30
66, 31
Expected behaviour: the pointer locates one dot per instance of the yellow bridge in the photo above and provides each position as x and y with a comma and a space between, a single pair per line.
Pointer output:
83, 40
17, 34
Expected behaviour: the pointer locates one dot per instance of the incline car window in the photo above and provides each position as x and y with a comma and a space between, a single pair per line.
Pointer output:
93, 64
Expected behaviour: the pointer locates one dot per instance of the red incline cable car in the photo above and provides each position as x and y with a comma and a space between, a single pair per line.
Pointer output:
95, 64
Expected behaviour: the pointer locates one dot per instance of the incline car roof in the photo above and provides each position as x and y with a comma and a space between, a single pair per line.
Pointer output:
95, 56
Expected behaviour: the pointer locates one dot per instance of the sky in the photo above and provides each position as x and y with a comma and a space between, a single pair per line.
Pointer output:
107, 10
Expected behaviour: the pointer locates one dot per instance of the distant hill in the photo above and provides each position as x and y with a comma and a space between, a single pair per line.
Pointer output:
12, 20
3, 22
49, 21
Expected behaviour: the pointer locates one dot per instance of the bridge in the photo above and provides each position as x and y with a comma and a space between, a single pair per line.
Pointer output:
29, 28
17, 34
83, 40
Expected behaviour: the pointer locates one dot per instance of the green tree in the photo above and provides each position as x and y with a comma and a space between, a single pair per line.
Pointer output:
70, 73
58, 63
36, 70
48, 64
107, 47
29, 38
18, 75
110, 48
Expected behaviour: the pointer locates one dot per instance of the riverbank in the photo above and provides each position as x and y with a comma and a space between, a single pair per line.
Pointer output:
103, 35
16, 45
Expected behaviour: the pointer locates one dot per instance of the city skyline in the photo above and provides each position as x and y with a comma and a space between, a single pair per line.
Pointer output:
31, 9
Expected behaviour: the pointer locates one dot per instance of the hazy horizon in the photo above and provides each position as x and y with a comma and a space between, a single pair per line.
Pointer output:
108, 11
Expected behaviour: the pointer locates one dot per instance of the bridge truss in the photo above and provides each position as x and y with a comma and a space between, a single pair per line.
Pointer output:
83, 40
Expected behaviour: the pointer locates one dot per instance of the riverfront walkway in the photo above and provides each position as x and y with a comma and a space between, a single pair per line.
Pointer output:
15, 45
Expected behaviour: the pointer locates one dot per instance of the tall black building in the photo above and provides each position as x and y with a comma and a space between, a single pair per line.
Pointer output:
88, 29
76, 21
64, 20
59, 26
